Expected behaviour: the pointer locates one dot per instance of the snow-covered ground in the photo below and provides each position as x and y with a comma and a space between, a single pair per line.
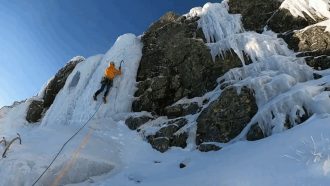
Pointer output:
106, 152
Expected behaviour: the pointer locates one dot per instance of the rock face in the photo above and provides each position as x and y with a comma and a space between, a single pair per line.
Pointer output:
255, 133
166, 137
135, 122
313, 41
35, 110
181, 110
283, 21
175, 64
38, 107
255, 13
226, 117
57, 83
208, 147
319, 63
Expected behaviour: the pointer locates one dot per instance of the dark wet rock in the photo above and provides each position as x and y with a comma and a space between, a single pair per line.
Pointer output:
208, 147
287, 123
179, 110
170, 128
290, 39
57, 83
255, 13
319, 62
168, 132
176, 63
255, 133
135, 122
303, 116
52, 89
205, 101
178, 122
179, 140
34, 111
283, 21
226, 117
182, 165
317, 76
161, 144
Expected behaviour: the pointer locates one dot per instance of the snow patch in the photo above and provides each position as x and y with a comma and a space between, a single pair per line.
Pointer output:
82, 170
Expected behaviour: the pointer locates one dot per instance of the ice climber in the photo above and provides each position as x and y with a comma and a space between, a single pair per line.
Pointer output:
109, 74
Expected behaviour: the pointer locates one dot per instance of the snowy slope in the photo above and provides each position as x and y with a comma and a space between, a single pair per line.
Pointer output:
106, 152
72, 107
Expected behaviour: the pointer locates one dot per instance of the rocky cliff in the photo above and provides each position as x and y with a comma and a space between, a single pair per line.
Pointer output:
216, 74
177, 65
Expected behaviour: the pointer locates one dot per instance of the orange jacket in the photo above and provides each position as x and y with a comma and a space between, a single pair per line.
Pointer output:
111, 72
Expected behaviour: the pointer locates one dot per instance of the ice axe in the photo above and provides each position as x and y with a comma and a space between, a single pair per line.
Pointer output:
122, 61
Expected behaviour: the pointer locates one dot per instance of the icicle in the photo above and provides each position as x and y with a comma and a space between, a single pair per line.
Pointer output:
312, 8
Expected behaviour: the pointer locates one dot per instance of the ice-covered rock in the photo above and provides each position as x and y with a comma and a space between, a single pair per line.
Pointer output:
50, 91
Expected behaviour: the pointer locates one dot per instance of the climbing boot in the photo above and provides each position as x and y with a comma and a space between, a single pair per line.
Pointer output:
94, 97
104, 99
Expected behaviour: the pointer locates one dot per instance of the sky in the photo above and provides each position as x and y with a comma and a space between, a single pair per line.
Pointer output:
38, 37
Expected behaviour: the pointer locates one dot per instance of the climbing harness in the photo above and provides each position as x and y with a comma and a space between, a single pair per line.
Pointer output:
56, 156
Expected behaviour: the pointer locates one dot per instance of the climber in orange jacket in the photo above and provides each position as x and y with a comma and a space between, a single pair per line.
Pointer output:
109, 74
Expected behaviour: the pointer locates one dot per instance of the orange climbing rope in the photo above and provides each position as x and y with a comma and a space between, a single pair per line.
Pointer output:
56, 156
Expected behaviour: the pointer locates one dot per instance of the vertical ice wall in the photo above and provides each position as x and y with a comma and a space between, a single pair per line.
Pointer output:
74, 103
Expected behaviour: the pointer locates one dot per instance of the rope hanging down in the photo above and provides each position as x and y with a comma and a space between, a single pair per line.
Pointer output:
59, 152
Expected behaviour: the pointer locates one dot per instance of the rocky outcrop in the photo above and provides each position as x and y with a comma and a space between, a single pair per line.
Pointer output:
176, 63
166, 137
57, 83
255, 133
318, 63
283, 21
208, 147
34, 111
179, 110
135, 122
312, 41
226, 117
255, 13
38, 107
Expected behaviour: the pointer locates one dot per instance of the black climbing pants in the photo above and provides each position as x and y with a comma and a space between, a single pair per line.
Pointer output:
106, 83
